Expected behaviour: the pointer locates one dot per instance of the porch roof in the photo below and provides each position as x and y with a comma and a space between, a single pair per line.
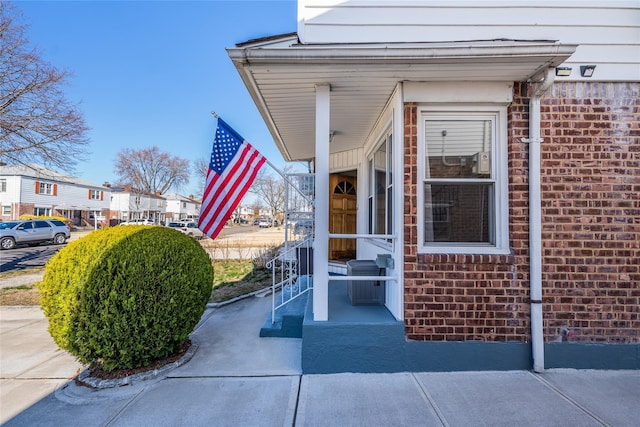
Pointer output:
281, 74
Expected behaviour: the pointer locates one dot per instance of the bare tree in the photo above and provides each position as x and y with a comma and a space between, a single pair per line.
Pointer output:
201, 167
271, 189
37, 124
151, 170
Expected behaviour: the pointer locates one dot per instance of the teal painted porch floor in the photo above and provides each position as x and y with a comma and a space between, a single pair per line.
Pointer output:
290, 318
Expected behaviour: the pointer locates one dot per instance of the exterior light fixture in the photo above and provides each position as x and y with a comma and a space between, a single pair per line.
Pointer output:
563, 71
587, 70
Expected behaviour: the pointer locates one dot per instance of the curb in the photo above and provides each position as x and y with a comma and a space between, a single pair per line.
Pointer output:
259, 293
160, 373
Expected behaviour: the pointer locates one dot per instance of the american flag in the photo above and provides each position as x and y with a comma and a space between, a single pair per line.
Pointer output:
233, 166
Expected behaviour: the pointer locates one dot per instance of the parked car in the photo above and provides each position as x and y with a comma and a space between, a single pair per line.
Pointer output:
264, 223
141, 221
174, 224
190, 228
33, 232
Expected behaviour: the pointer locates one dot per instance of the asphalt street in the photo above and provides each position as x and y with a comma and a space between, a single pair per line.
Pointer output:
24, 257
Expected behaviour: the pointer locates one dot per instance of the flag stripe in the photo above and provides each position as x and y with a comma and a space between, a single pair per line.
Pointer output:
235, 170
218, 185
239, 187
233, 167
222, 190
226, 190
239, 194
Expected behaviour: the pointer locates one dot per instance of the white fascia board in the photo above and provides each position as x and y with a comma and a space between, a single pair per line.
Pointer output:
554, 52
459, 92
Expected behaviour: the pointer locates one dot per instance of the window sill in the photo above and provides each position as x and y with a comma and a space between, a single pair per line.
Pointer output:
458, 249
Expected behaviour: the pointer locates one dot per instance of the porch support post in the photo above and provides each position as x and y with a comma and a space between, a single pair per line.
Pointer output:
321, 239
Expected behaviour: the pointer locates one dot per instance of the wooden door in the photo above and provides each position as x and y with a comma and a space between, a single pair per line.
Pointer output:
342, 216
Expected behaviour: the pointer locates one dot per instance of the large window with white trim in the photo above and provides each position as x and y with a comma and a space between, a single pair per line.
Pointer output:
381, 187
38, 211
463, 181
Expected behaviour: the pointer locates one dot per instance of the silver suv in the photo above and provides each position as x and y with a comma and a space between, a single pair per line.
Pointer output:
33, 232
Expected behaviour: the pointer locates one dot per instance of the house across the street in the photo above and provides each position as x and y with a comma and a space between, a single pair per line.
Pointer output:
36, 190
179, 207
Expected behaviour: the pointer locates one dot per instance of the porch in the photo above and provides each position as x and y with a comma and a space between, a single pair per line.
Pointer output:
356, 338
368, 339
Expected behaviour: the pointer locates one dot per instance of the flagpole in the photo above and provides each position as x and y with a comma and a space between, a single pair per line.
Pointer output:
278, 171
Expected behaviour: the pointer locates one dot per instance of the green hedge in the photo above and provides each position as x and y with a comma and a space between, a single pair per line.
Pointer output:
123, 297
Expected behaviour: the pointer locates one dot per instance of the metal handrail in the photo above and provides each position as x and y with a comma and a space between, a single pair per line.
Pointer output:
286, 264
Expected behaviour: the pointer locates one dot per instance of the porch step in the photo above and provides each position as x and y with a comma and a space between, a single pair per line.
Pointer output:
289, 320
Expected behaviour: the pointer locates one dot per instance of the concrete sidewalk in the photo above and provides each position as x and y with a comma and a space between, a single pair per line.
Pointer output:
236, 378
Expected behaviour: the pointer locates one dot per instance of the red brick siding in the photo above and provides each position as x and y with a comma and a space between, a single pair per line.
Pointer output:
26, 209
591, 210
591, 229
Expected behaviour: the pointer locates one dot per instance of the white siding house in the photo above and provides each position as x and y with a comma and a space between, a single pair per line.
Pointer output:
127, 204
180, 207
604, 32
35, 190
472, 132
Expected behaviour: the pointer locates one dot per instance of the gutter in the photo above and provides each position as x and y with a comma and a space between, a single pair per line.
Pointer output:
554, 52
535, 222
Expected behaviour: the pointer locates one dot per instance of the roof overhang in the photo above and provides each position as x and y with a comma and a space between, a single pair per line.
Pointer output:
281, 76
75, 208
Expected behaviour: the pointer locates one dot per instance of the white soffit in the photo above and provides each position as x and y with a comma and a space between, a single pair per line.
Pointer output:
281, 80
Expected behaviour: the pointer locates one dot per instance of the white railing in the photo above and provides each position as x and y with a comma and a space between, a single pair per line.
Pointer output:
291, 274
386, 237
291, 270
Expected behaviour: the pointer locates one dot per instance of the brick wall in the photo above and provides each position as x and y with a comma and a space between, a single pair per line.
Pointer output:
26, 209
591, 229
591, 210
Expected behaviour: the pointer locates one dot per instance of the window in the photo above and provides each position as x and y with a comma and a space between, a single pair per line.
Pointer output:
462, 189
42, 211
45, 188
3, 185
381, 188
6, 210
41, 224
95, 195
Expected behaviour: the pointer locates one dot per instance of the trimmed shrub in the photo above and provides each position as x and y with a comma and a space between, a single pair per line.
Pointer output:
123, 297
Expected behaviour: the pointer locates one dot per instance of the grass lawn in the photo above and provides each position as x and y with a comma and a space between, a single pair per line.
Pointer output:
232, 278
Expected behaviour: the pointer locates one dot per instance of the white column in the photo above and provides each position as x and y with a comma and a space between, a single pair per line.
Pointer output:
321, 240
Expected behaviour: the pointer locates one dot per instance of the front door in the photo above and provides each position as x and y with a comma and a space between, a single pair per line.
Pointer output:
342, 215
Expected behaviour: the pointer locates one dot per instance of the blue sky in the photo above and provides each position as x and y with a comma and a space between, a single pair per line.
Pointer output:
150, 72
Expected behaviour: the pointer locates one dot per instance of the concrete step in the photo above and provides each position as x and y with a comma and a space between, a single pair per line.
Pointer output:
288, 320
